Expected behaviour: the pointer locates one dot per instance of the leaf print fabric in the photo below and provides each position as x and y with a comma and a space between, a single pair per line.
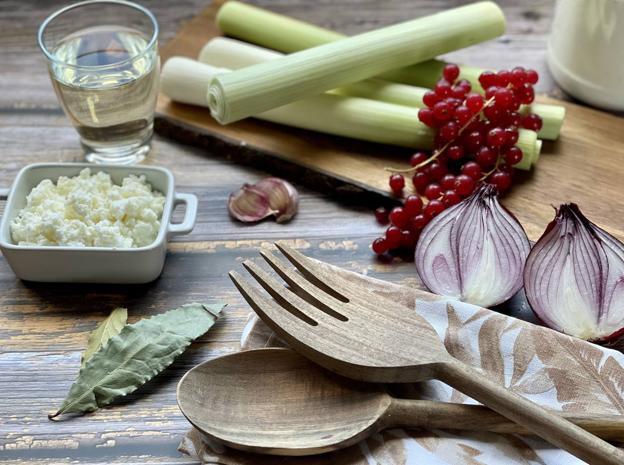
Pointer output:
550, 368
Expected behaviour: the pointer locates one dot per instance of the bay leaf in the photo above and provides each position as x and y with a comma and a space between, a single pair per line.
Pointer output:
105, 330
135, 355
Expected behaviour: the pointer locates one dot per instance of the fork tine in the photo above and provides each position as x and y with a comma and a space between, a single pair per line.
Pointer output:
312, 272
297, 282
267, 309
285, 297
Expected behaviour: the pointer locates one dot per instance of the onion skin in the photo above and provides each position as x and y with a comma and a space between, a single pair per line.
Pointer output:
268, 197
474, 251
574, 278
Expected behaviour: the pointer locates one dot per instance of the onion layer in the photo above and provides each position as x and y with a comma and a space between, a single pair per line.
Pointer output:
474, 251
574, 277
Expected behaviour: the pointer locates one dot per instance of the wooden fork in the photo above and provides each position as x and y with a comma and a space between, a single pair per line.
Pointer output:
358, 334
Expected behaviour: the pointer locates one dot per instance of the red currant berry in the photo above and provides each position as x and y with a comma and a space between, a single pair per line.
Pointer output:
434, 208
525, 94
449, 131
531, 76
381, 214
455, 152
450, 72
503, 77
532, 122
464, 185
393, 237
397, 183
488, 79
518, 76
492, 113
491, 91
458, 92
442, 88
420, 181
513, 118
427, 117
380, 245
419, 222
471, 169
450, 198
454, 102
430, 98
398, 217
473, 141
442, 111
514, 104
464, 84
496, 137
511, 135
512, 155
408, 239
485, 157
436, 170
418, 158
413, 206
433, 191
474, 102
500, 179
503, 98
462, 114
447, 182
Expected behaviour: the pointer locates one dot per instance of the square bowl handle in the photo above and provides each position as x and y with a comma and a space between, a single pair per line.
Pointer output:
190, 214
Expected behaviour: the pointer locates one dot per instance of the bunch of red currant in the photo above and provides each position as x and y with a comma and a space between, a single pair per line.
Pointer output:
475, 142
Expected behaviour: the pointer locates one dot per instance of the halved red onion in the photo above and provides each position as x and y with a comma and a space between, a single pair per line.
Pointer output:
474, 251
574, 277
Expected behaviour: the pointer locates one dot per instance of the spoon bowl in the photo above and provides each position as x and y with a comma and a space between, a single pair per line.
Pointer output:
274, 401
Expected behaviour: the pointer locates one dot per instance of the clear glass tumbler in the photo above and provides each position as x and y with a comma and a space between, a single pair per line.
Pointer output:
103, 61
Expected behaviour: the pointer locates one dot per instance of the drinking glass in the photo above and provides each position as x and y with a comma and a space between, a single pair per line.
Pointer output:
103, 60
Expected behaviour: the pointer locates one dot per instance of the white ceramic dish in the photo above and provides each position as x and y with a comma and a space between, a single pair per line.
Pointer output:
93, 264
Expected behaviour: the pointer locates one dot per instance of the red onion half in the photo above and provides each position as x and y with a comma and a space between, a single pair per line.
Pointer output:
574, 277
474, 251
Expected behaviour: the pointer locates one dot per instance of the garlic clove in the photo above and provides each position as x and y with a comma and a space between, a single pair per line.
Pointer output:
268, 197
282, 196
249, 204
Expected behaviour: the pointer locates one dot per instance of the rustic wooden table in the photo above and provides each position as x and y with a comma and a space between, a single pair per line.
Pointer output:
44, 327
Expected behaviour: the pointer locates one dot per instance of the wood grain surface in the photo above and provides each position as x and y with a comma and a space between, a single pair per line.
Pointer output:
44, 328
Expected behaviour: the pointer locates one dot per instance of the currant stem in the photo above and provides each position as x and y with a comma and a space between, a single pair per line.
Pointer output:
439, 152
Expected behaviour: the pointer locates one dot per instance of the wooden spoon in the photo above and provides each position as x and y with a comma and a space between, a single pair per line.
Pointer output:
274, 401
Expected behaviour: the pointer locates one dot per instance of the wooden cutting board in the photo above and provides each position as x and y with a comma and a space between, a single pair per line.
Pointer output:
586, 165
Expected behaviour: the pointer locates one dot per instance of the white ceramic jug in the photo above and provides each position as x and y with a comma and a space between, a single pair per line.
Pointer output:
586, 51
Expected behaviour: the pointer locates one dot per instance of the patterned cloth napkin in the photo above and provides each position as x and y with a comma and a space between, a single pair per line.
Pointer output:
549, 368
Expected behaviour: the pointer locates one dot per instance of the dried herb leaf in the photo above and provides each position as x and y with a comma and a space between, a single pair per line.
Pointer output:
105, 330
135, 355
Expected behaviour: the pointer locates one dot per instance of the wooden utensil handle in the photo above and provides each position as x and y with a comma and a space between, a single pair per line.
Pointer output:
547, 425
448, 416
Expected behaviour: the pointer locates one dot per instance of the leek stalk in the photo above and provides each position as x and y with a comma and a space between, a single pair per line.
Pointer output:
258, 88
186, 81
229, 53
288, 35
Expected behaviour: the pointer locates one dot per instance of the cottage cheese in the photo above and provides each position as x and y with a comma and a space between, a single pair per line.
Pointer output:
90, 211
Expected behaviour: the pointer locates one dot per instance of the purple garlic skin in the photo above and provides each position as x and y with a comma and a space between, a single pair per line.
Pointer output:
268, 197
